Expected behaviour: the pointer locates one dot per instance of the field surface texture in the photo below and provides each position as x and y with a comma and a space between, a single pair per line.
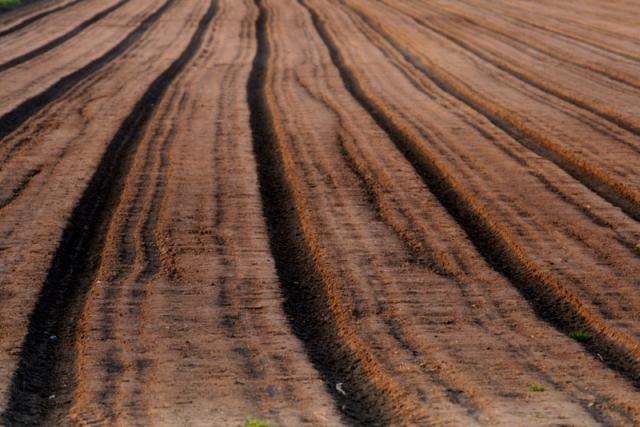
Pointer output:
320, 212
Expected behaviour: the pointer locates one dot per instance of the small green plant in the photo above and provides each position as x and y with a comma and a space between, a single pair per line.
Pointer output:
256, 423
536, 389
10, 3
580, 336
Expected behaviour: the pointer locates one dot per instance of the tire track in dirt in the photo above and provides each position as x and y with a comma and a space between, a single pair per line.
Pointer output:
38, 16
308, 283
242, 310
592, 176
16, 117
46, 366
130, 251
62, 39
550, 298
234, 291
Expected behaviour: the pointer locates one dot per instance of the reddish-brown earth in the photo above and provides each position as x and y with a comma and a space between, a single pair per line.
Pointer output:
320, 212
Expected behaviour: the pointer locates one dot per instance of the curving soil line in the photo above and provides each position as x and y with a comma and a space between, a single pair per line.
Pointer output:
30, 20
548, 296
309, 285
592, 176
63, 38
538, 83
47, 359
523, 17
16, 117
518, 41
20, 188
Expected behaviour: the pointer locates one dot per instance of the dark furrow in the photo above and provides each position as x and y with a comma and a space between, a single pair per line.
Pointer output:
13, 146
411, 234
16, 117
150, 246
597, 29
149, 241
63, 38
546, 293
515, 40
490, 58
20, 188
126, 255
571, 201
390, 316
311, 291
419, 85
575, 22
419, 250
43, 382
592, 176
28, 21
573, 38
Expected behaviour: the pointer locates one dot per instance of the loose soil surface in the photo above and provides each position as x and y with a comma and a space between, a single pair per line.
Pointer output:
320, 212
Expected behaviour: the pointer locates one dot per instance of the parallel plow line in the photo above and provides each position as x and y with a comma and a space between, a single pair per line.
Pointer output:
516, 40
546, 293
592, 176
311, 288
46, 367
62, 39
393, 319
30, 20
20, 114
24, 183
493, 59
576, 39
422, 84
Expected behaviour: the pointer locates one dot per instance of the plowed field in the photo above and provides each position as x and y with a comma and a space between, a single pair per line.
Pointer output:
320, 212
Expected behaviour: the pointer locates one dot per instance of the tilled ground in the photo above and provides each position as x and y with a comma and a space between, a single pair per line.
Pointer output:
320, 212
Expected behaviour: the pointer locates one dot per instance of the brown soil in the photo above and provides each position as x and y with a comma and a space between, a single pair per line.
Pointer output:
320, 212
